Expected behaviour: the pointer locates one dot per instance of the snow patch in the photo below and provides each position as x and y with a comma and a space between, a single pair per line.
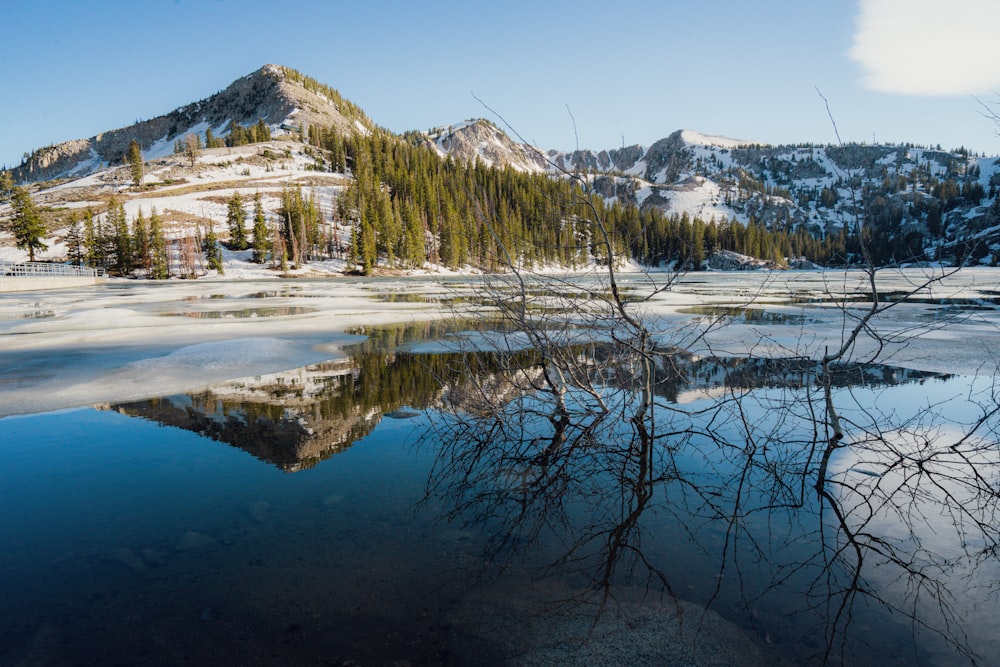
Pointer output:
697, 138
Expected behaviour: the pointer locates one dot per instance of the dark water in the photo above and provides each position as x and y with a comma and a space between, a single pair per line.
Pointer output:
288, 521
127, 542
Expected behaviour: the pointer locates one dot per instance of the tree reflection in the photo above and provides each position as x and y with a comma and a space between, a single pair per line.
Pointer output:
799, 487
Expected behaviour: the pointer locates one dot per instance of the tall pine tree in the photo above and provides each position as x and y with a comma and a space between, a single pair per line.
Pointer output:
134, 159
261, 237
159, 257
236, 218
26, 224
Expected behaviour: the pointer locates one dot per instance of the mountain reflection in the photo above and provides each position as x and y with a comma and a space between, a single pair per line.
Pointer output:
297, 418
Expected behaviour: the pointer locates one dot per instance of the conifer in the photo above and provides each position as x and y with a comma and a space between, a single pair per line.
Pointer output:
261, 242
159, 258
142, 255
26, 224
120, 237
74, 240
213, 251
134, 159
236, 220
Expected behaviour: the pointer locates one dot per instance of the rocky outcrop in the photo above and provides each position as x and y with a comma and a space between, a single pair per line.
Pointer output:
482, 140
726, 260
618, 159
667, 159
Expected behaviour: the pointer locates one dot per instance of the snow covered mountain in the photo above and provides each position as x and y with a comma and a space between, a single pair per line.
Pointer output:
284, 99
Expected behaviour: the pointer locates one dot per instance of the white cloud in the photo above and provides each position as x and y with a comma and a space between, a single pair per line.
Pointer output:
928, 47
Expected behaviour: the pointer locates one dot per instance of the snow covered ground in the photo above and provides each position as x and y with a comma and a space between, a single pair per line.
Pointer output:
185, 195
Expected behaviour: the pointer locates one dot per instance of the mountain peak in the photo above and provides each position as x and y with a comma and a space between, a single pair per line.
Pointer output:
480, 139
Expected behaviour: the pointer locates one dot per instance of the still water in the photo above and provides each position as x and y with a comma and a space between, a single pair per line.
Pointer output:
324, 516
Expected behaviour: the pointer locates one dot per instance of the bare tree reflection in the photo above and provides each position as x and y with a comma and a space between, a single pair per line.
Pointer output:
572, 459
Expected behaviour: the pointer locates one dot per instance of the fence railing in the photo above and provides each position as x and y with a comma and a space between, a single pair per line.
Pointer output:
44, 269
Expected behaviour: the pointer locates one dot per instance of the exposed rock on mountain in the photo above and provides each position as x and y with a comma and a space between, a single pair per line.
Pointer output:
482, 140
727, 260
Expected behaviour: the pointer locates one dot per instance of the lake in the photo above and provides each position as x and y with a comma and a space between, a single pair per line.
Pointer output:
272, 473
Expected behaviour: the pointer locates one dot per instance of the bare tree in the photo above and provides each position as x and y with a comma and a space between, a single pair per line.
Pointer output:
192, 147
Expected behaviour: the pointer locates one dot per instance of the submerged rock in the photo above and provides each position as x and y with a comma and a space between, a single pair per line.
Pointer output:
194, 540
517, 628
129, 559
259, 510
153, 557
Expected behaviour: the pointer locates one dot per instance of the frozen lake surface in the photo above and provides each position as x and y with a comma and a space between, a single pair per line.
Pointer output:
225, 472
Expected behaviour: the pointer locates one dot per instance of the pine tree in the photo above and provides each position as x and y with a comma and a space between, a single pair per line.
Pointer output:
74, 240
212, 141
6, 185
26, 224
236, 220
237, 135
159, 265
90, 243
121, 237
414, 252
261, 241
300, 220
213, 251
134, 159
263, 131
142, 253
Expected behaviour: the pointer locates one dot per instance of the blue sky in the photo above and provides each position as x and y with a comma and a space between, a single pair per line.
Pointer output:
627, 72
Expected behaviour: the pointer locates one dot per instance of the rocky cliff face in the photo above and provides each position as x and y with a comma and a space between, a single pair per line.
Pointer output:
272, 93
483, 141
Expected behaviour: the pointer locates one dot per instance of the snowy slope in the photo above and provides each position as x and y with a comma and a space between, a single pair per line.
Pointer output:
189, 198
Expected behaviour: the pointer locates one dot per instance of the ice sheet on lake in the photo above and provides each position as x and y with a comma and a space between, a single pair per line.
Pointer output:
232, 356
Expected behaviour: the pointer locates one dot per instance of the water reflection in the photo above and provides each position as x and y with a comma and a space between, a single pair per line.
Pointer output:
297, 418
745, 315
240, 313
737, 502
734, 503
